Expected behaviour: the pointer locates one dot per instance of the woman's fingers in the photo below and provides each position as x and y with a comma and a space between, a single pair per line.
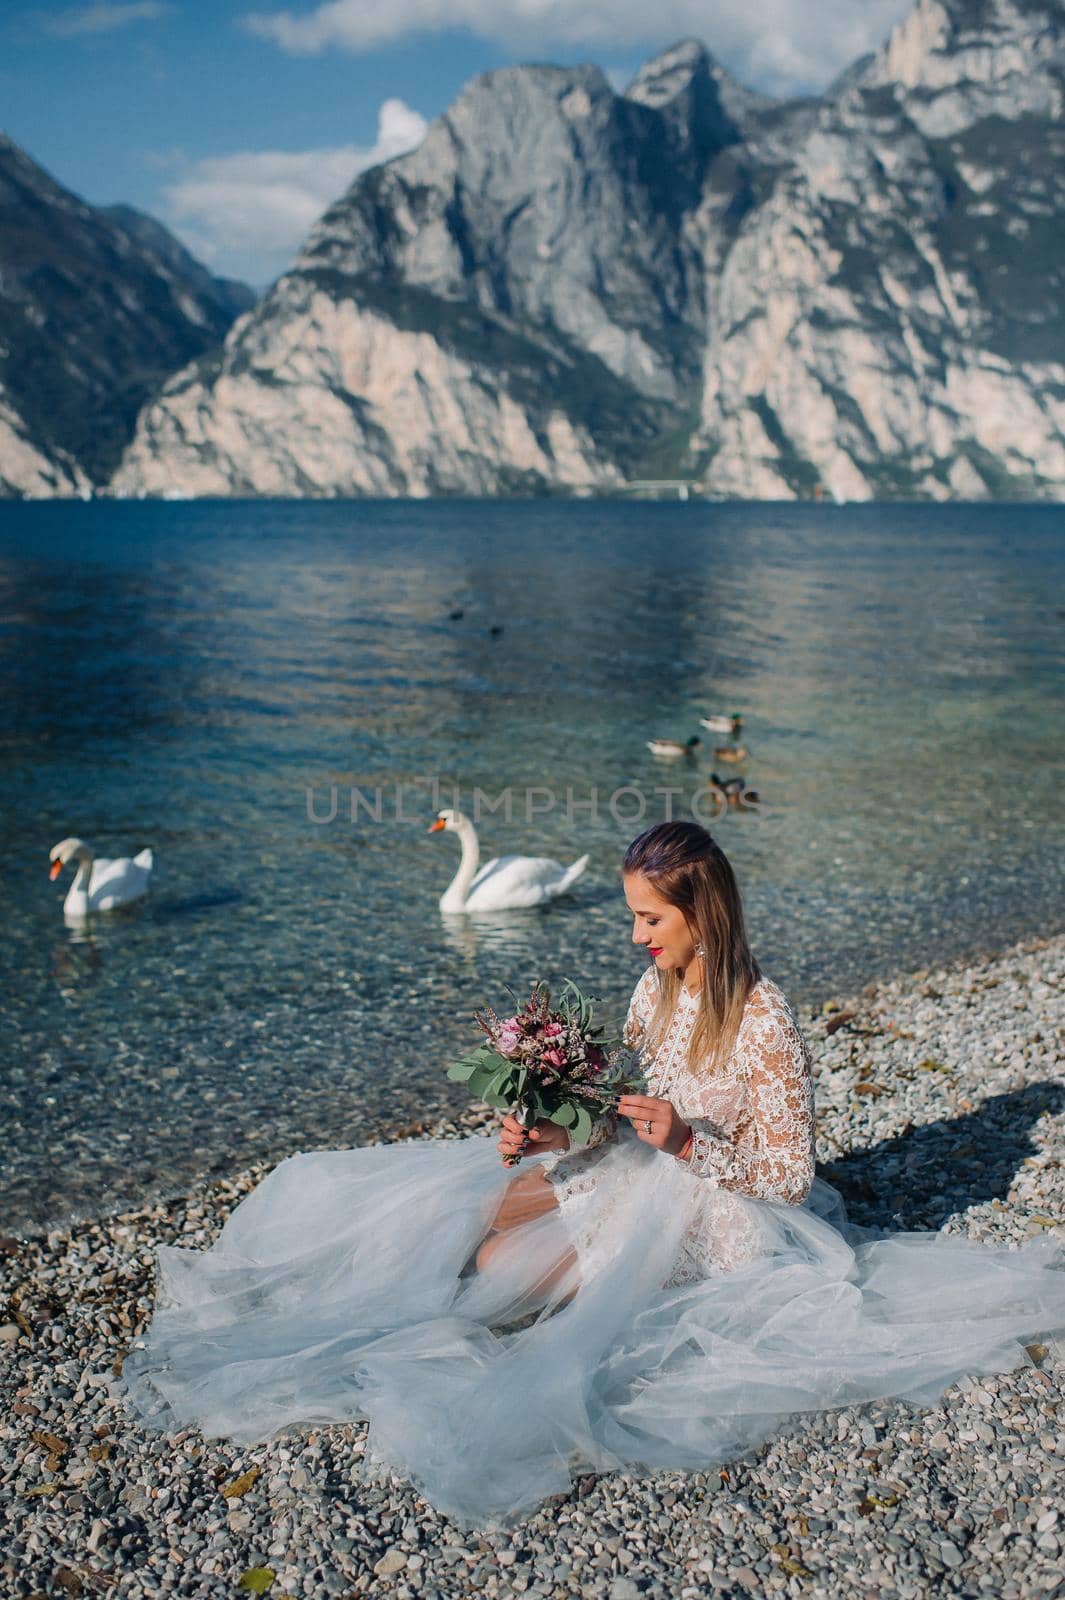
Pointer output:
638, 1105
511, 1124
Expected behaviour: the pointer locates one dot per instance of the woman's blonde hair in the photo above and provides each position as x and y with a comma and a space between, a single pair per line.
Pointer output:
690, 870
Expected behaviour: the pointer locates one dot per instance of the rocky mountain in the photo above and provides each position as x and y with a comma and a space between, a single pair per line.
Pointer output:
566, 288
512, 306
890, 319
97, 307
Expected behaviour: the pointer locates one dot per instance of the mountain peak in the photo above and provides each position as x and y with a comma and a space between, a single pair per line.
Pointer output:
687, 74
669, 73
955, 62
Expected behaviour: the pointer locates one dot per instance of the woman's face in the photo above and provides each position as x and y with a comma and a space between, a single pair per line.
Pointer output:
657, 925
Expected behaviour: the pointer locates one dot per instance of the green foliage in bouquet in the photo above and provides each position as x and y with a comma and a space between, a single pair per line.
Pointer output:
549, 1063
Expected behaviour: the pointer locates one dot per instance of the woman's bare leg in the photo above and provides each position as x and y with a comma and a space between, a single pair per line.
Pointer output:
529, 1196
549, 1279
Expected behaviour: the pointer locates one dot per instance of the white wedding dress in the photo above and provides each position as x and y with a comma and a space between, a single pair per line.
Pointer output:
712, 1300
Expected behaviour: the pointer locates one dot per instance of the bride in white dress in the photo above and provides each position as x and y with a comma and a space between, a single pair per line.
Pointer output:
664, 1297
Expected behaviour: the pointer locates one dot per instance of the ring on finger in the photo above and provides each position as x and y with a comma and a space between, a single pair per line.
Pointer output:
650, 1127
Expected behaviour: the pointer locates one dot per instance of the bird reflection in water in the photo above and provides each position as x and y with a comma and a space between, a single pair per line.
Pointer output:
488, 932
77, 959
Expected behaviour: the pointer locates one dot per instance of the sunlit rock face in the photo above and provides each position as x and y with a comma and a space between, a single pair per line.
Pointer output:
565, 288
889, 320
97, 307
516, 305
328, 397
29, 471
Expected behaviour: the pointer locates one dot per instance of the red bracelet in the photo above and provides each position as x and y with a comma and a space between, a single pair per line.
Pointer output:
686, 1148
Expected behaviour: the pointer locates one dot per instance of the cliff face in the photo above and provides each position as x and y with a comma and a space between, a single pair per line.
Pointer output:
566, 288
890, 319
97, 307
516, 304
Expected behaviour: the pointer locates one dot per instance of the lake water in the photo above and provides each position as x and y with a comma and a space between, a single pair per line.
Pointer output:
185, 675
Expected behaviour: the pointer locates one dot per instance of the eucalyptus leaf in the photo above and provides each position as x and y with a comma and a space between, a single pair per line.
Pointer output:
462, 1071
531, 1096
582, 1127
482, 1077
474, 1060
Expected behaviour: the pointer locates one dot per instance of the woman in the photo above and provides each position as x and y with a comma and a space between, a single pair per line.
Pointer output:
663, 1297
734, 1094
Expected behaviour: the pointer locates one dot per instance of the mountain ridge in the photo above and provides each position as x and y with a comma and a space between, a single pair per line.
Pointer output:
98, 305
566, 288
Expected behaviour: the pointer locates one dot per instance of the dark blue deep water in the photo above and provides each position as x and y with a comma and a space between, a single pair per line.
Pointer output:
182, 675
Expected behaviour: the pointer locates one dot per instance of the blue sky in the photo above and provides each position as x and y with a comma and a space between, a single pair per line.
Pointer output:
237, 123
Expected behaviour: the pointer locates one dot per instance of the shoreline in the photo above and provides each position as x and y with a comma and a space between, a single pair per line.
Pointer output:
940, 1105
809, 1003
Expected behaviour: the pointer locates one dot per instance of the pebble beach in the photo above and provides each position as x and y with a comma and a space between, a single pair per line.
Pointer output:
941, 1105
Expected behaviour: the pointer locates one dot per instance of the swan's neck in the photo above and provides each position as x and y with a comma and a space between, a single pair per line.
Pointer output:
454, 898
83, 874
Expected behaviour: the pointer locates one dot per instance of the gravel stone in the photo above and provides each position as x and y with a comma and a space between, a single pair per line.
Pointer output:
971, 1486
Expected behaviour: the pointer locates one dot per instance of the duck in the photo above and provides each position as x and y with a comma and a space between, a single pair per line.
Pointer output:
100, 883
716, 791
729, 752
506, 883
734, 791
673, 747
732, 724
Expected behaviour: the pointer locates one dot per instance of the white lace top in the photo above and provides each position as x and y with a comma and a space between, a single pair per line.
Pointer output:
752, 1121
752, 1125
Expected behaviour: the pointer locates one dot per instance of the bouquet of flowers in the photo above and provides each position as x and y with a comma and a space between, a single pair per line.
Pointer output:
550, 1063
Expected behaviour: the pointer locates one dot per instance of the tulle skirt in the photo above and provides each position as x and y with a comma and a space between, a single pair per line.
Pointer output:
344, 1288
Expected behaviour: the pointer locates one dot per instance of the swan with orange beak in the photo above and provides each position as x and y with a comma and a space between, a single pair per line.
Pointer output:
100, 883
507, 883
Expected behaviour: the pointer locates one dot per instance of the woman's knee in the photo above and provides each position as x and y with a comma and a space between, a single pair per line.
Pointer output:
529, 1196
563, 1268
486, 1251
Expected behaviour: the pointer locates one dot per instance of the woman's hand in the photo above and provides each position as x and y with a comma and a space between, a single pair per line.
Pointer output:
543, 1135
668, 1131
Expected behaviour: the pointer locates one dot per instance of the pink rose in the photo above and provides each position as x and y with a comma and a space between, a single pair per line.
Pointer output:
553, 1029
554, 1057
508, 1039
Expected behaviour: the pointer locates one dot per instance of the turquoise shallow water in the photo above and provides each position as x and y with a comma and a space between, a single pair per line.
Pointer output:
184, 675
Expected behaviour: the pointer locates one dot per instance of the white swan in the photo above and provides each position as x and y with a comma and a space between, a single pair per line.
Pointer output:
507, 883
99, 884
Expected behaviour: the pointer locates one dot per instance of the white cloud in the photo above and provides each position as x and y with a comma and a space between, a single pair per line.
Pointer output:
105, 18
246, 214
782, 45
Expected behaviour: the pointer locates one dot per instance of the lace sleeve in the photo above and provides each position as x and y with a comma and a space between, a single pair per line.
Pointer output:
773, 1156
